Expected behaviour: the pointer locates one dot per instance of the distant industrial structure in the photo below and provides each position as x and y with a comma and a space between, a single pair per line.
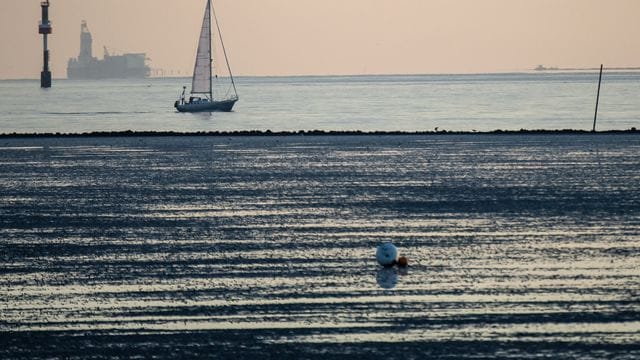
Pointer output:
45, 29
85, 66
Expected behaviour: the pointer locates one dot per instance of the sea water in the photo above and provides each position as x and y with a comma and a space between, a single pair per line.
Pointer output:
520, 246
404, 102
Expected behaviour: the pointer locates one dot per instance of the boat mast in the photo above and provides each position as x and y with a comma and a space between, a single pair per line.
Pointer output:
210, 53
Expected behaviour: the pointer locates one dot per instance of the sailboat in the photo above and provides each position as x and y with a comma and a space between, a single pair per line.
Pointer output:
202, 96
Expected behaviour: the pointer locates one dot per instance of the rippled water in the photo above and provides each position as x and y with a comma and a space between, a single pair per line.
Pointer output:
519, 246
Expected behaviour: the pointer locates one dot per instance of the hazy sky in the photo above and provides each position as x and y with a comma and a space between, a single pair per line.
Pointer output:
286, 37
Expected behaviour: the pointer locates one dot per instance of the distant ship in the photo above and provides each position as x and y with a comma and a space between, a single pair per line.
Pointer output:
543, 68
85, 66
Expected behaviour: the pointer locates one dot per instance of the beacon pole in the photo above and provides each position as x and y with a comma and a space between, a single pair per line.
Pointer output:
595, 116
45, 29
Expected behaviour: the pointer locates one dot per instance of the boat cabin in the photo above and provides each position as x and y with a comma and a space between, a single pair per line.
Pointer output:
197, 100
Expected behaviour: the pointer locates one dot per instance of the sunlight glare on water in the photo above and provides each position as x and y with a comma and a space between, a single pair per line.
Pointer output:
519, 244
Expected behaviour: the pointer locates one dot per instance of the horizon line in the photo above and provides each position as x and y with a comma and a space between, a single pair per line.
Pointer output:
529, 71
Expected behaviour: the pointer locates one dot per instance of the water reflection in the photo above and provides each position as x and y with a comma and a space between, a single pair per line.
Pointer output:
387, 278
403, 270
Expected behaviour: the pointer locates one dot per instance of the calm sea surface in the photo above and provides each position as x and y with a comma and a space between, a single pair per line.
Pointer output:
411, 103
520, 246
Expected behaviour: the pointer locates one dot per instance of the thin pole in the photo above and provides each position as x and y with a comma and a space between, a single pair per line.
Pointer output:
595, 116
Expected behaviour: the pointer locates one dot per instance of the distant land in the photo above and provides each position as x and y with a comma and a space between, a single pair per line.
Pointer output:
543, 68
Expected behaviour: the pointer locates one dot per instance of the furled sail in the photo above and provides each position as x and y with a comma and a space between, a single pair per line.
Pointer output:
202, 71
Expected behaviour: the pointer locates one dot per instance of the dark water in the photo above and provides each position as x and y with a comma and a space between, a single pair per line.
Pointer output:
519, 246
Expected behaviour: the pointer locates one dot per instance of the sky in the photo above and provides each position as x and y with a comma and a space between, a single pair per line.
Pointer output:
313, 37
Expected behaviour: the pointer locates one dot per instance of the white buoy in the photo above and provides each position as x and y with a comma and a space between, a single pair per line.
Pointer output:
387, 254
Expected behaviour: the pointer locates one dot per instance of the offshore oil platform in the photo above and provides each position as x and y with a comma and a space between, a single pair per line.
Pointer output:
85, 66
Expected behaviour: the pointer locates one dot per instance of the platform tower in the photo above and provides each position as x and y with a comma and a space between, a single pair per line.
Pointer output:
45, 29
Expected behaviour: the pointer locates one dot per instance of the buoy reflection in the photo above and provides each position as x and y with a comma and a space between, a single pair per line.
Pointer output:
387, 278
403, 270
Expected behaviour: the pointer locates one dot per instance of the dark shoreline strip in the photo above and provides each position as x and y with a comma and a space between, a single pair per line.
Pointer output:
130, 133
